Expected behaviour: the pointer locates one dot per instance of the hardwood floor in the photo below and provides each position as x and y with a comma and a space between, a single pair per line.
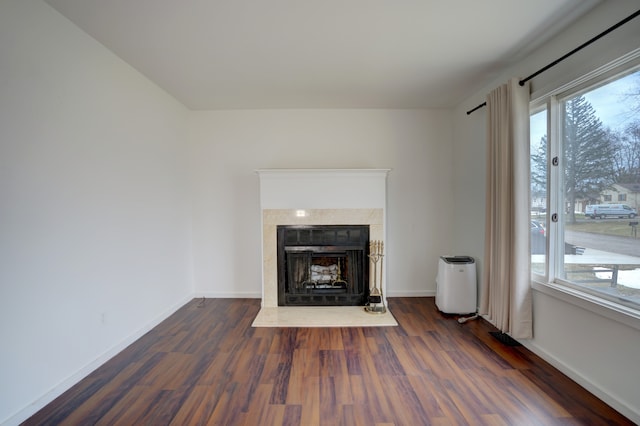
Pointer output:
207, 365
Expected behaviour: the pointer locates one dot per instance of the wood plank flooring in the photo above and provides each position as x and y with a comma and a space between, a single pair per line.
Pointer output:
207, 365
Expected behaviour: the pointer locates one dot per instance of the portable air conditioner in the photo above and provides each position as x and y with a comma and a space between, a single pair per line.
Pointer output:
456, 288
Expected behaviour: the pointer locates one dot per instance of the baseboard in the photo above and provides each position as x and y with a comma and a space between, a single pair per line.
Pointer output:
66, 384
632, 413
229, 295
416, 293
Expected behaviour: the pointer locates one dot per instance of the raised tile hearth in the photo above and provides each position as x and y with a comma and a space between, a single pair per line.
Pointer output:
321, 316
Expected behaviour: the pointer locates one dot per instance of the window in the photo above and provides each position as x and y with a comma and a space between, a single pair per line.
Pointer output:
592, 133
538, 149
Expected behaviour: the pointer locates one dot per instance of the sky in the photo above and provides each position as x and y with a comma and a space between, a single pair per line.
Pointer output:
609, 102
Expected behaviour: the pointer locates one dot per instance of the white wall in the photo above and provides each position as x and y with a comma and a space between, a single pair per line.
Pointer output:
227, 146
600, 353
94, 237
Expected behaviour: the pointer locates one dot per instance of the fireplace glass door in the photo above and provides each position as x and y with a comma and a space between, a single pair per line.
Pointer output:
322, 265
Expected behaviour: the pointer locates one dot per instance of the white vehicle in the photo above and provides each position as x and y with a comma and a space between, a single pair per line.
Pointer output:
598, 211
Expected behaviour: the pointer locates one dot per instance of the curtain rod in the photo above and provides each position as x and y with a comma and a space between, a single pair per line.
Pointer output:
562, 58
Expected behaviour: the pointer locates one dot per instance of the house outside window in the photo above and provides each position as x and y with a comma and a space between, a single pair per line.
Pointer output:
627, 193
591, 132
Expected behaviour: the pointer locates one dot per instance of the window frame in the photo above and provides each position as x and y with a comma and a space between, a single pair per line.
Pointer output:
549, 283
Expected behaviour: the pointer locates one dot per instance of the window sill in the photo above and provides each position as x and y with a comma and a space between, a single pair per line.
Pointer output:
590, 303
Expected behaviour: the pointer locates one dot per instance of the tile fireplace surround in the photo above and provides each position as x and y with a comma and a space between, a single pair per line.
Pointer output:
317, 197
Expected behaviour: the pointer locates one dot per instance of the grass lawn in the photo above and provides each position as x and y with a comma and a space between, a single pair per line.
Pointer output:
618, 227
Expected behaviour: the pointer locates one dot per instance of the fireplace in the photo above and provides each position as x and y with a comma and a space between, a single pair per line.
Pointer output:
319, 198
322, 265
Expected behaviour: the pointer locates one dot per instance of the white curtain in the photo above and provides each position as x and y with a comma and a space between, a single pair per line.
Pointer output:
505, 293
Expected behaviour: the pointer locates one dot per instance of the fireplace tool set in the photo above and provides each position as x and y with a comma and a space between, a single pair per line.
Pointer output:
375, 304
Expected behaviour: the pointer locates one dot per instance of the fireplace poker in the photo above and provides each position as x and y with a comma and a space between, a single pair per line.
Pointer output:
376, 302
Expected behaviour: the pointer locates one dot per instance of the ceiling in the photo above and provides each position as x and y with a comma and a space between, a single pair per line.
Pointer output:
237, 54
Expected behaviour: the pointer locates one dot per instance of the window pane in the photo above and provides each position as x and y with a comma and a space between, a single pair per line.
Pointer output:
538, 147
601, 161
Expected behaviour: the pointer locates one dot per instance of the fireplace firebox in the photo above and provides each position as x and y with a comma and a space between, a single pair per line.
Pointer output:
320, 265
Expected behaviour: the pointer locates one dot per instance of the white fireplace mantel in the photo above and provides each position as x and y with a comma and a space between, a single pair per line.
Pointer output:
317, 197
322, 188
